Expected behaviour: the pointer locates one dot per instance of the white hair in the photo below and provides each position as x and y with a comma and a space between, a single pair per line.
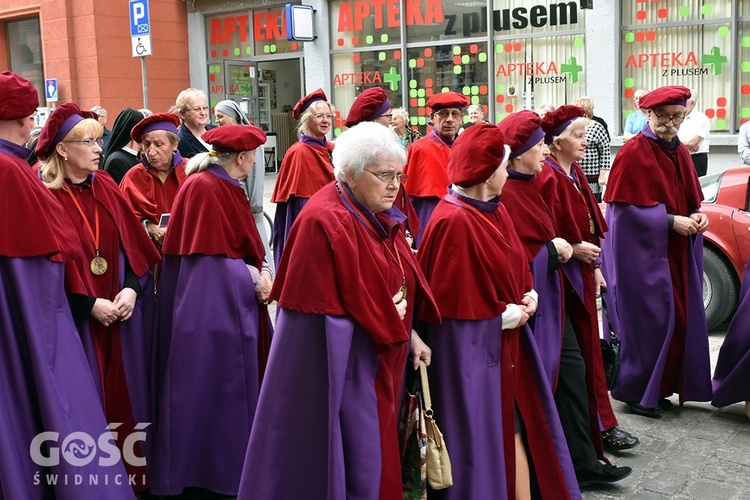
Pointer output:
201, 161
365, 144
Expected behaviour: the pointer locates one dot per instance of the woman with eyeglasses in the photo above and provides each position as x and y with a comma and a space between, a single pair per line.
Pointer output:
490, 393
346, 287
109, 285
586, 414
151, 185
194, 118
400, 124
306, 166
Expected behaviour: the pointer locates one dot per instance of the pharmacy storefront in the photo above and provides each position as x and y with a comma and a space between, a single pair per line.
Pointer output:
504, 55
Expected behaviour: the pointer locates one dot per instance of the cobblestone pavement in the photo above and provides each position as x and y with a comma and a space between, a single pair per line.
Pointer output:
694, 452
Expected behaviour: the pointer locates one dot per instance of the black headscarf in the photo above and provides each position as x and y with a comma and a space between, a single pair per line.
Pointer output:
124, 123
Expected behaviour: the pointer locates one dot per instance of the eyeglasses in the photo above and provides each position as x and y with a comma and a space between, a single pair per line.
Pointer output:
445, 113
91, 142
320, 116
386, 116
664, 119
198, 109
389, 177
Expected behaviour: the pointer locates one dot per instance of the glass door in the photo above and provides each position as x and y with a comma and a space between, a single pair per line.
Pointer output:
241, 86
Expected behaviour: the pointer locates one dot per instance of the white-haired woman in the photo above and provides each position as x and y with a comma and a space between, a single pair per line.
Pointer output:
346, 287
215, 327
194, 118
400, 123
306, 167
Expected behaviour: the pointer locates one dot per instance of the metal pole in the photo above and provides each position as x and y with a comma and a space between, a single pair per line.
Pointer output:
145, 82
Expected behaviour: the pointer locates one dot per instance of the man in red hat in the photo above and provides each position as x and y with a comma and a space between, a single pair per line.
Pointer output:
428, 157
45, 382
654, 260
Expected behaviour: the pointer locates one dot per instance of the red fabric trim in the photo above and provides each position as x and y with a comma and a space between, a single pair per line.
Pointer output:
428, 168
531, 217
303, 172
148, 196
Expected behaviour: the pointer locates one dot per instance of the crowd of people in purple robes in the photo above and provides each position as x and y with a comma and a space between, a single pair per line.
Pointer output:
140, 359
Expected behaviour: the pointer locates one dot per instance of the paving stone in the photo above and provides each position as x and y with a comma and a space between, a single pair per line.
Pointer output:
666, 483
706, 490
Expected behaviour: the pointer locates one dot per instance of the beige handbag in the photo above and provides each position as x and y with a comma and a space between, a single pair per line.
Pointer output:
439, 473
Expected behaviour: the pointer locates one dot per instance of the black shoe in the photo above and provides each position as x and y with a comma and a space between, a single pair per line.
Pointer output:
607, 474
665, 404
617, 439
645, 411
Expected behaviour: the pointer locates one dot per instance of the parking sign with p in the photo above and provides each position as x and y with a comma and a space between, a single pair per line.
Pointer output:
139, 18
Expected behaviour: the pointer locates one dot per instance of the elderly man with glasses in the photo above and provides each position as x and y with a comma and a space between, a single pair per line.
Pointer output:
428, 157
653, 257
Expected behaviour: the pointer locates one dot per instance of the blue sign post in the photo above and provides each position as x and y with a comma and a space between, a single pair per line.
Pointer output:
50, 87
140, 23
140, 31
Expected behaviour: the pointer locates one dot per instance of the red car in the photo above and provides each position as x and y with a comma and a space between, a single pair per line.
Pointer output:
726, 246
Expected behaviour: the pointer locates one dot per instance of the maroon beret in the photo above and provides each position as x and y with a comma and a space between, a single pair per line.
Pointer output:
447, 100
59, 124
555, 122
20, 98
234, 138
664, 96
305, 102
369, 105
157, 121
522, 131
476, 154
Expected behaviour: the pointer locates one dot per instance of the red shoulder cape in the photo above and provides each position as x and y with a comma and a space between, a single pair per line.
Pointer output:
211, 216
304, 170
473, 271
532, 219
569, 207
332, 264
645, 174
31, 223
146, 194
428, 167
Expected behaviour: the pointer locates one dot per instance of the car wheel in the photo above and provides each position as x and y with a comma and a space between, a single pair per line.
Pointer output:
719, 288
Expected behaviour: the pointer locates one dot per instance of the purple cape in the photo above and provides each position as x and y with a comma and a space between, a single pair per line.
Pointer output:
465, 385
641, 306
547, 322
423, 206
733, 367
286, 214
317, 416
45, 386
209, 376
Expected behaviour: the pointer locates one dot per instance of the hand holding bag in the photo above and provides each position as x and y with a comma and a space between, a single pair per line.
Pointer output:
439, 473
610, 351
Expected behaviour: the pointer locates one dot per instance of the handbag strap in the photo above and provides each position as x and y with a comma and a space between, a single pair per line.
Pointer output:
425, 389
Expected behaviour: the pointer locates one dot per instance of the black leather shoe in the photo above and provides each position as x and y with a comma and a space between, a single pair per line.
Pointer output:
645, 411
665, 404
617, 439
607, 474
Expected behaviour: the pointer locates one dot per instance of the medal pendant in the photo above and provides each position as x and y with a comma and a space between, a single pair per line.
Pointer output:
591, 225
403, 291
98, 265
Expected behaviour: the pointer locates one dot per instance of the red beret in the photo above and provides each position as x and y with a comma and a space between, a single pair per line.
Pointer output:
447, 100
558, 120
305, 102
59, 124
522, 131
476, 154
20, 98
664, 96
157, 121
369, 105
234, 138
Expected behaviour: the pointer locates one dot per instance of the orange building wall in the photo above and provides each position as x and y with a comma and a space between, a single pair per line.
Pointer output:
87, 47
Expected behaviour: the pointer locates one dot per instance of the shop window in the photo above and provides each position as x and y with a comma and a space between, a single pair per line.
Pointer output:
357, 71
535, 16
364, 23
269, 32
743, 99
696, 56
461, 68
530, 72
25, 51
637, 11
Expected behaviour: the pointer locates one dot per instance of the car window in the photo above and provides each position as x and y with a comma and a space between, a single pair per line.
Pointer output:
710, 187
